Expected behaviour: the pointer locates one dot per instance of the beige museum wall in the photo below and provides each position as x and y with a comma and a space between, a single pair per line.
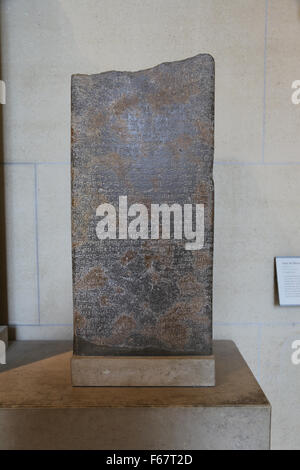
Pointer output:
257, 159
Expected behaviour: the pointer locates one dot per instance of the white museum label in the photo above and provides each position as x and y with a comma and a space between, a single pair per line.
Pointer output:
288, 280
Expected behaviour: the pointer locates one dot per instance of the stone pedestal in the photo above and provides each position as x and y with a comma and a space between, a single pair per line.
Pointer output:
39, 409
139, 371
3, 343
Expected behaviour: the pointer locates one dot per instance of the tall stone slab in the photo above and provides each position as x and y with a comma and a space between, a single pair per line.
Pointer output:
143, 294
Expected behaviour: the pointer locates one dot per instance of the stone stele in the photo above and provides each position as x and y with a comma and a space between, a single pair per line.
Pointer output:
147, 135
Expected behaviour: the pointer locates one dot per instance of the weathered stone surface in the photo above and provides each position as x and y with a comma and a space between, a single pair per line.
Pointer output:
146, 135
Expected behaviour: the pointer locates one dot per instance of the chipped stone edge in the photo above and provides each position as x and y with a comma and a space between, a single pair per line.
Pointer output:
143, 371
166, 63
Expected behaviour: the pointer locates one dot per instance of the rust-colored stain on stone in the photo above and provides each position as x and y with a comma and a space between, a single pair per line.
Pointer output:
128, 256
147, 135
92, 280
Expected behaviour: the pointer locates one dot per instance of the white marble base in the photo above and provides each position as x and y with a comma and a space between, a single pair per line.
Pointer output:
143, 371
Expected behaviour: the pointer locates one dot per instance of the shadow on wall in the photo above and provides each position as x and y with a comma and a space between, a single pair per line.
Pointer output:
298, 4
34, 351
3, 263
49, 28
